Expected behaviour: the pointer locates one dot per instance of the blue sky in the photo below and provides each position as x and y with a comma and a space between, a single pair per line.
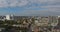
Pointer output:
30, 7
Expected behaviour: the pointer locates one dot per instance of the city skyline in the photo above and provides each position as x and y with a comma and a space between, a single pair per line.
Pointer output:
30, 7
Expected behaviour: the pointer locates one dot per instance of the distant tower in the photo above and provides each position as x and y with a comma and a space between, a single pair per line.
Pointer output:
58, 16
53, 20
9, 17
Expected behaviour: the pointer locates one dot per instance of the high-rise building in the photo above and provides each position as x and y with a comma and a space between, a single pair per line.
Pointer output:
9, 17
53, 20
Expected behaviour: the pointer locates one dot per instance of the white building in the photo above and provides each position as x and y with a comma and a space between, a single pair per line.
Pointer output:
58, 16
9, 17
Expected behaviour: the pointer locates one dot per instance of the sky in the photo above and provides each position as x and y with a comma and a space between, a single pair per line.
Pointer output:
30, 7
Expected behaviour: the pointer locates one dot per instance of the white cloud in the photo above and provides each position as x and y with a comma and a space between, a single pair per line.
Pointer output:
18, 3
3, 3
13, 3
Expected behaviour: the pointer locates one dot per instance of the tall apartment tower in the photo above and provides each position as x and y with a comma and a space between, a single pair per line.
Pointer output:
9, 17
53, 20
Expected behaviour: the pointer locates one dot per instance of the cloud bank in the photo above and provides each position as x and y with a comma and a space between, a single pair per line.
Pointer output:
14, 3
50, 6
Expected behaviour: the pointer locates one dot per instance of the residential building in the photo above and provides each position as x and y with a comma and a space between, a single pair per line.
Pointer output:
9, 17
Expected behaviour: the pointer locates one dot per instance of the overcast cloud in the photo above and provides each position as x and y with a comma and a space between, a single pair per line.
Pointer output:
51, 6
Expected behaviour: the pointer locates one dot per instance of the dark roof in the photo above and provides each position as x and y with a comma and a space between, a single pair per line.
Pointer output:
57, 27
2, 17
